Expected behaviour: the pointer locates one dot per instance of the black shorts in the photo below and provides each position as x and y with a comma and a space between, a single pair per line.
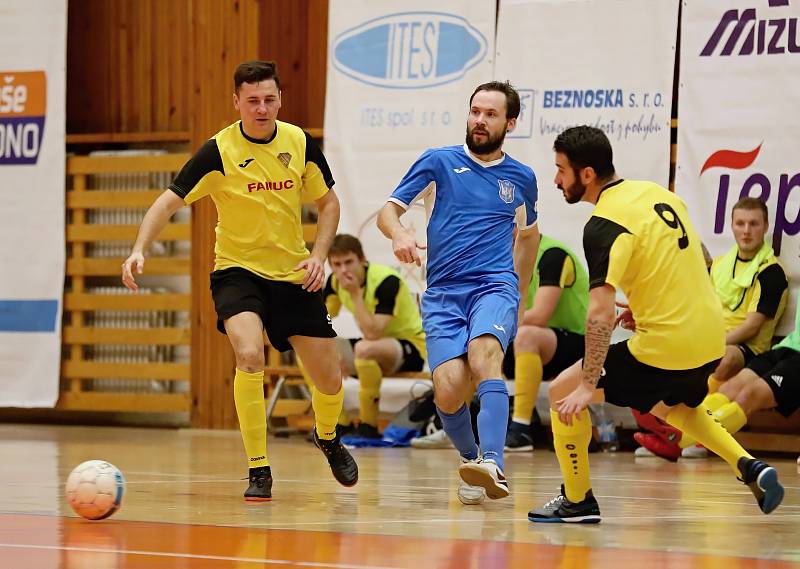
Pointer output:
780, 368
569, 349
630, 383
747, 353
285, 308
412, 359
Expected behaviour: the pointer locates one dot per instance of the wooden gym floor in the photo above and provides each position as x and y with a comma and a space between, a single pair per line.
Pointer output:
183, 508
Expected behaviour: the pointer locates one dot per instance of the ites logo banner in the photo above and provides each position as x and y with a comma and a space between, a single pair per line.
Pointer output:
23, 102
409, 50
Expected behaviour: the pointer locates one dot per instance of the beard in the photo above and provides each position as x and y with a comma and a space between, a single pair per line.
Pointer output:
492, 142
575, 192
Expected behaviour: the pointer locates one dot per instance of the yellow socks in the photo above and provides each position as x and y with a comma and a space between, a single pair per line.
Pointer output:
326, 412
731, 416
527, 379
248, 394
727, 412
370, 376
713, 384
571, 444
701, 425
344, 418
714, 401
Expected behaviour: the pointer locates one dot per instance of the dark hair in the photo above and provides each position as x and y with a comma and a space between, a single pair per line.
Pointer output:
587, 147
255, 72
752, 203
344, 243
512, 97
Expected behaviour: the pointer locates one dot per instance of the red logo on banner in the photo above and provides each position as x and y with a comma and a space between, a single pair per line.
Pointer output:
731, 159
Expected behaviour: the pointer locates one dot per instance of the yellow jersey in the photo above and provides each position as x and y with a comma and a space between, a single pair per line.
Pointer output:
640, 240
767, 294
258, 187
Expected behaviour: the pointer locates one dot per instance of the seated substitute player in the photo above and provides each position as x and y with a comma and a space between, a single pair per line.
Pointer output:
769, 381
475, 195
258, 171
388, 317
639, 240
753, 289
550, 336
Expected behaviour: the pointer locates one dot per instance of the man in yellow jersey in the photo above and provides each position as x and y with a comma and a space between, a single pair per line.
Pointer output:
639, 240
753, 289
550, 336
258, 171
387, 316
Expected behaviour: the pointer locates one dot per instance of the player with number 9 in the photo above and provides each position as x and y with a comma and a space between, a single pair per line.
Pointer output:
641, 242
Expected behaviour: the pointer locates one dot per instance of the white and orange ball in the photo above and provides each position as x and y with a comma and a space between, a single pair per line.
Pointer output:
94, 489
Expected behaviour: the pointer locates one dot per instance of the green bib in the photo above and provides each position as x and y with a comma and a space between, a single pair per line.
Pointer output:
570, 313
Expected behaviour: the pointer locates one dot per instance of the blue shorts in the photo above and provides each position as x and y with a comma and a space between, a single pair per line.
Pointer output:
454, 315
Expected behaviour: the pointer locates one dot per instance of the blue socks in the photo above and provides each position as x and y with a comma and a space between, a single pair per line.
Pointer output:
458, 427
493, 419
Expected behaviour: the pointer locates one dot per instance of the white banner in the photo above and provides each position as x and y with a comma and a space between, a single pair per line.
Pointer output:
32, 123
738, 123
605, 63
399, 81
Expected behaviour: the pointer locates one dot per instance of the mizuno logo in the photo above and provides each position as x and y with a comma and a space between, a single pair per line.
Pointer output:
497, 327
778, 379
246, 162
461, 170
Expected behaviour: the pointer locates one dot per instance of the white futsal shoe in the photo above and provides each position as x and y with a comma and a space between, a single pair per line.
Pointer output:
469, 495
486, 474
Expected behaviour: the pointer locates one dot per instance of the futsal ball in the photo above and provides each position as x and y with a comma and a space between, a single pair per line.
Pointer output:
95, 489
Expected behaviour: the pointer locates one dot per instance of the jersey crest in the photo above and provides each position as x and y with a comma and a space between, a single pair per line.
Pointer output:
506, 190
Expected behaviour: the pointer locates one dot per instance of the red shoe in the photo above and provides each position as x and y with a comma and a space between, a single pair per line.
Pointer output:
651, 423
658, 445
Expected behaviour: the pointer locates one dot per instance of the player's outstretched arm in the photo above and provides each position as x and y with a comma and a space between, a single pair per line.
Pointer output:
404, 243
154, 221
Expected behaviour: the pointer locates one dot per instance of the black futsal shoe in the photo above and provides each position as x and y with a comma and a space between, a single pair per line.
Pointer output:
342, 463
561, 510
763, 482
260, 489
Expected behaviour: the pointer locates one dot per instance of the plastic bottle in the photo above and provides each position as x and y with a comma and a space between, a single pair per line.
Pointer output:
606, 429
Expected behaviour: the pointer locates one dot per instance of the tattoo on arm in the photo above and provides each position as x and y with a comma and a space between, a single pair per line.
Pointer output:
598, 337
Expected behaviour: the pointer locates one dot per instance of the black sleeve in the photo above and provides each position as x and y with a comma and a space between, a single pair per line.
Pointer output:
386, 295
551, 266
314, 154
328, 290
205, 160
773, 284
599, 235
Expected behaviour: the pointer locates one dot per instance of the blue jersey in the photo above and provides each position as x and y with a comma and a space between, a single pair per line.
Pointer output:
472, 207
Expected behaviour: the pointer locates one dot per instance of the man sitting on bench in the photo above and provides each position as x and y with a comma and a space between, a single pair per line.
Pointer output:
389, 320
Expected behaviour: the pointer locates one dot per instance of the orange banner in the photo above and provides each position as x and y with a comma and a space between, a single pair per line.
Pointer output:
23, 93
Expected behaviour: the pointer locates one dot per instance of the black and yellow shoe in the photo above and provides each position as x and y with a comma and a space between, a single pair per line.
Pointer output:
762, 479
561, 510
342, 463
260, 489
